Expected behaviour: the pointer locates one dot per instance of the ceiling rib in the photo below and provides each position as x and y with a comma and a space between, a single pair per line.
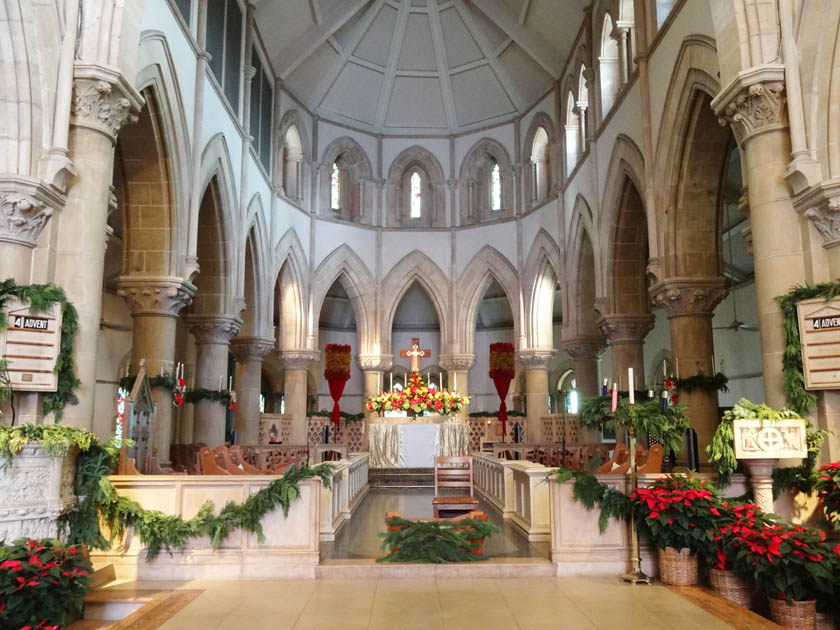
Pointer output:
391, 69
443, 75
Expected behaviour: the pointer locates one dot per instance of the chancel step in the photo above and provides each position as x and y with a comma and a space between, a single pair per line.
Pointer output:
401, 478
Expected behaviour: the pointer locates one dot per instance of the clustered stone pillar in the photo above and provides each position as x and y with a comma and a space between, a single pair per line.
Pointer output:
458, 368
212, 341
626, 336
103, 101
296, 363
249, 353
690, 304
535, 363
155, 304
374, 367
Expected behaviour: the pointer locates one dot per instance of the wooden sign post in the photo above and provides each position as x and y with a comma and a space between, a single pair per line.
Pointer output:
30, 344
819, 330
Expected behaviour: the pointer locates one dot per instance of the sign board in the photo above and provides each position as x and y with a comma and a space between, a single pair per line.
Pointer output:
30, 344
770, 439
819, 329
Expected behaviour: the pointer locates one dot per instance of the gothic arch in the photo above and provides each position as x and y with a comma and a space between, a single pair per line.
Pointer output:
345, 266
356, 177
291, 293
473, 183
289, 169
256, 286
415, 267
434, 185
583, 268
540, 276
215, 282
486, 265
537, 190
293, 118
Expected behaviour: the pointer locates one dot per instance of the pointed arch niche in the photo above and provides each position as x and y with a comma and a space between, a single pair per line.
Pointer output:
540, 182
416, 191
480, 200
346, 166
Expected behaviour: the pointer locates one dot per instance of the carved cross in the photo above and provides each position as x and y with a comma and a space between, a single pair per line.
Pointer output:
414, 353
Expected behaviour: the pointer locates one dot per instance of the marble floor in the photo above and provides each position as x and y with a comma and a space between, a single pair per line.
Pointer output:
359, 537
448, 604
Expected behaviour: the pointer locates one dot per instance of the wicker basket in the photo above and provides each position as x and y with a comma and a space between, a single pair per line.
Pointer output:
677, 568
825, 622
732, 587
795, 616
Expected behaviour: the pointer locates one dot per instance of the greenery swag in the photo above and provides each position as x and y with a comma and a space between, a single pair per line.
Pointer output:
700, 381
793, 383
591, 492
56, 439
166, 380
41, 297
512, 413
220, 396
323, 413
434, 541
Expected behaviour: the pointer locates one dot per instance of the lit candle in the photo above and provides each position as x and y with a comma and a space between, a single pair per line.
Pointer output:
604, 387
455, 381
614, 404
631, 385
392, 381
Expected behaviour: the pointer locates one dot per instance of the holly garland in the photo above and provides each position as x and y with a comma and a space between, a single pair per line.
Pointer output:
793, 379
41, 297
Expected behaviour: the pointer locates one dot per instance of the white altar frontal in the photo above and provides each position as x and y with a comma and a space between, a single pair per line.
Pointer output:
402, 442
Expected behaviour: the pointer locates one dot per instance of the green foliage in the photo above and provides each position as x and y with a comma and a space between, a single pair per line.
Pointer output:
802, 478
648, 418
350, 417
199, 394
166, 380
593, 413
512, 413
41, 297
55, 439
700, 381
591, 492
42, 583
793, 381
434, 541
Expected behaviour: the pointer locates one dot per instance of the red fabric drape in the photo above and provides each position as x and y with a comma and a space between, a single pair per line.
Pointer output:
502, 384
336, 390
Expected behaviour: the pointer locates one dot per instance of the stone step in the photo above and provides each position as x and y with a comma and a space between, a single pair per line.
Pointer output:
491, 568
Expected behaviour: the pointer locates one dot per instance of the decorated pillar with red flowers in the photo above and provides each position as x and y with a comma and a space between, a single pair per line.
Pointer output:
337, 373
502, 371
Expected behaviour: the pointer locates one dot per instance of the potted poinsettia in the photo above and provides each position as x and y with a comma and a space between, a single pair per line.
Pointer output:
791, 565
828, 487
677, 515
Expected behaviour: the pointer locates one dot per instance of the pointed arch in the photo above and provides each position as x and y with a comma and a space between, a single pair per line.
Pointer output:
291, 293
294, 154
416, 159
356, 175
540, 277
474, 182
256, 283
487, 264
415, 267
541, 171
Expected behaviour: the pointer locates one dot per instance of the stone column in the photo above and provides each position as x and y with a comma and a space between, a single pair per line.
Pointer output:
155, 304
535, 362
25, 207
249, 353
458, 368
754, 105
585, 351
103, 101
582, 107
374, 367
296, 364
212, 340
619, 34
690, 304
626, 336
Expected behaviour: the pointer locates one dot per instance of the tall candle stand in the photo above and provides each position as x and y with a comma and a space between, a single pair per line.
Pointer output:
636, 575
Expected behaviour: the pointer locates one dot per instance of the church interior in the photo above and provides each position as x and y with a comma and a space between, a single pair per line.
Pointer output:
420, 313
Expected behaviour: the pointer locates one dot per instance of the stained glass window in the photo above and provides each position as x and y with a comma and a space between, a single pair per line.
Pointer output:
416, 196
335, 187
495, 187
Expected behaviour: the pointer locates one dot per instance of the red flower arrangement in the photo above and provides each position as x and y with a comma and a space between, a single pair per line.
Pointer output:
828, 486
733, 520
41, 582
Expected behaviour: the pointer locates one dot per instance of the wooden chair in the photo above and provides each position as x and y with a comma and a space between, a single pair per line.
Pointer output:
238, 458
207, 463
479, 516
621, 454
453, 472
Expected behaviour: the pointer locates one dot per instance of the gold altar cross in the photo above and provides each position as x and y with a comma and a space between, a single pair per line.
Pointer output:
415, 353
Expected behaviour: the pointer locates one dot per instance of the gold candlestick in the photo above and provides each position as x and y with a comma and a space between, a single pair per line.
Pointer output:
636, 575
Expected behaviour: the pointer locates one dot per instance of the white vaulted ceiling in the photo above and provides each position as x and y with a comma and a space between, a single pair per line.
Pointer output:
419, 66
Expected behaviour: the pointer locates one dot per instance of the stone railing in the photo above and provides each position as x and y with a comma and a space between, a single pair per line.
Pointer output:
271, 455
348, 486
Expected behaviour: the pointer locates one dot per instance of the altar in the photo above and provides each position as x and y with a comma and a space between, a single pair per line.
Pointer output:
400, 442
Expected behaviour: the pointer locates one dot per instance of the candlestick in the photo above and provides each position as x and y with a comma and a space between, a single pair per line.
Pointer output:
614, 404
604, 387
631, 385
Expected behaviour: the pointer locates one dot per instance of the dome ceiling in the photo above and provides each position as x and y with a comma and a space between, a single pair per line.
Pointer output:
419, 66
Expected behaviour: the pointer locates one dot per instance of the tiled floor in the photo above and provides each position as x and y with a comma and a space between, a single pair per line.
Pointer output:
359, 537
510, 604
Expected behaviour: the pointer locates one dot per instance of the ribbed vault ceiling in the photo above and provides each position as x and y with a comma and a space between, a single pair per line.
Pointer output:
419, 66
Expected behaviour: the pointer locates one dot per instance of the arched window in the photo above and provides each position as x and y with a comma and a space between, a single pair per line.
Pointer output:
495, 187
608, 66
335, 187
416, 196
539, 165
292, 164
572, 133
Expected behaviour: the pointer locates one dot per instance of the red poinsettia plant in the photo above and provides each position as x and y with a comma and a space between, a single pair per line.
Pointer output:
732, 520
788, 562
828, 487
42, 583
676, 511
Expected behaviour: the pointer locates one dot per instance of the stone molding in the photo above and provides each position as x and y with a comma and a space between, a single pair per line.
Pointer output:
250, 349
457, 362
583, 348
755, 102
535, 359
682, 297
103, 100
299, 359
161, 296
375, 362
619, 329
26, 206
213, 329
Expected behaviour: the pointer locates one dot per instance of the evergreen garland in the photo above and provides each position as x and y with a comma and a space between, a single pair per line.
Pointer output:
166, 380
793, 382
591, 492
352, 417
512, 413
56, 439
700, 381
199, 394
41, 297
434, 541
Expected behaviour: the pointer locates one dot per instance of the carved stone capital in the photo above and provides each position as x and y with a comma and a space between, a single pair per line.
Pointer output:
620, 329
457, 362
213, 329
164, 297
22, 218
250, 349
826, 218
103, 100
535, 359
250, 72
583, 348
299, 359
755, 102
689, 296
375, 362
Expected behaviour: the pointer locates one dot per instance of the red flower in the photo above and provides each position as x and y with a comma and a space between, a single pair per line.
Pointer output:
714, 511
721, 563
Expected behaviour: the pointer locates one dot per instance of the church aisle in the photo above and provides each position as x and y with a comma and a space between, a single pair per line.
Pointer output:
448, 604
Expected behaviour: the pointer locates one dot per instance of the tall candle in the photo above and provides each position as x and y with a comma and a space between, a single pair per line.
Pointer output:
650, 394
392, 381
664, 399
604, 387
677, 360
614, 404
230, 383
455, 381
631, 385
221, 379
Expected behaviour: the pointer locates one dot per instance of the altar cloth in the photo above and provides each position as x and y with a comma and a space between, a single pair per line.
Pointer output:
415, 445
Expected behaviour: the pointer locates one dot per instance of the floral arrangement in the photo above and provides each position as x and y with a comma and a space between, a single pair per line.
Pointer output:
828, 486
417, 399
502, 360
42, 583
338, 362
